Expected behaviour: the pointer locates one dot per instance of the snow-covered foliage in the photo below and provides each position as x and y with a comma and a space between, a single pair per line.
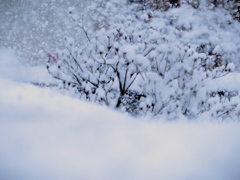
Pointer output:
153, 63
233, 6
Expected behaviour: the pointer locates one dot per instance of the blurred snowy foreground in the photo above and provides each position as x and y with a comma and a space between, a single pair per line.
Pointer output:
47, 136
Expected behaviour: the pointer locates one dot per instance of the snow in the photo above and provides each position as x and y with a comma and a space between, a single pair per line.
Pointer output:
29, 26
46, 135
11, 67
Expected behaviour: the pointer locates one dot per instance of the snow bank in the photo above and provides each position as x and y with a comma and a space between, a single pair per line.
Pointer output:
44, 135
12, 67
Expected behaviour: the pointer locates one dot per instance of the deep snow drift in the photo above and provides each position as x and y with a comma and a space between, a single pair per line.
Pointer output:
45, 135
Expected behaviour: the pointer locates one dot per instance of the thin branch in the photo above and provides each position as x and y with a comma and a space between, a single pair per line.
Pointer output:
149, 52
75, 60
131, 82
81, 27
125, 78
179, 76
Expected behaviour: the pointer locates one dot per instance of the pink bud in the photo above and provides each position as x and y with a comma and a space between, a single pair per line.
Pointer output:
52, 57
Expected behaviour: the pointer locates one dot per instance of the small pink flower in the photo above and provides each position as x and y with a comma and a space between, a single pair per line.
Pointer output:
52, 57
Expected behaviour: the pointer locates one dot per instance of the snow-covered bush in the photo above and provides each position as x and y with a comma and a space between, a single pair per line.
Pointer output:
104, 70
233, 6
150, 62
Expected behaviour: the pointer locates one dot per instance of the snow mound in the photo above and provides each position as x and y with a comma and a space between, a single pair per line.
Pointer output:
45, 135
11, 67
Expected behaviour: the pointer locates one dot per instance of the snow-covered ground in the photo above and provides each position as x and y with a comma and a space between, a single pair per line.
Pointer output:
47, 136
